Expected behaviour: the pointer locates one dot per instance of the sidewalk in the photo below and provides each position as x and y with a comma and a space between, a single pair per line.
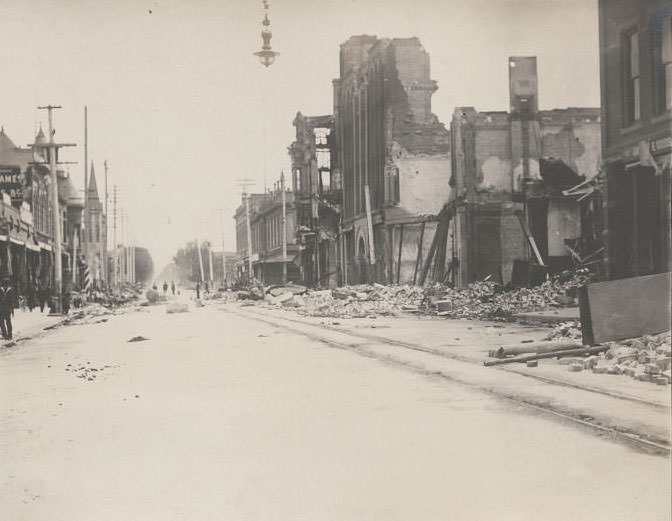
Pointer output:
27, 324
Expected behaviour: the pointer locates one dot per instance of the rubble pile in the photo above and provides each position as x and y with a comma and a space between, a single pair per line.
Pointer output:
350, 301
489, 300
646, 359
570, 330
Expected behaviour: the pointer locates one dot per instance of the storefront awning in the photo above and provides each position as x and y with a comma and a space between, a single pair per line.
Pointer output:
32, 246
16, 241
45, 246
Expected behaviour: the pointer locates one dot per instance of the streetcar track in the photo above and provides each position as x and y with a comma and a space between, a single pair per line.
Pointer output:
641, 441
465, 359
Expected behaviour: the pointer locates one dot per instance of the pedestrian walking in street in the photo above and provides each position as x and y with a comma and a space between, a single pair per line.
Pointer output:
6, 308
65, 301
43, 296
30, 296
165, 286
172, 286
198, 290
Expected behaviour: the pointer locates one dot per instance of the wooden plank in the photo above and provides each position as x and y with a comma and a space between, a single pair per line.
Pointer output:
530, 238
625, 308
401, 242
418, 259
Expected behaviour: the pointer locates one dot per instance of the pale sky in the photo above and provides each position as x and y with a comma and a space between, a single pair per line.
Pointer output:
181, 109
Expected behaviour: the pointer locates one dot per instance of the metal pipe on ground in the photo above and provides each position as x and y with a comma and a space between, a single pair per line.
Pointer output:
586, 351
533, 347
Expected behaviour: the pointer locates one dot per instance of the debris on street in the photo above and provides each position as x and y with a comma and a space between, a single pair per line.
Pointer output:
138, 338
646, 359
177, 307
480, 300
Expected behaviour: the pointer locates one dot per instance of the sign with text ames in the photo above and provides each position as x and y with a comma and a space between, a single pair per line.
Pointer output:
11, 182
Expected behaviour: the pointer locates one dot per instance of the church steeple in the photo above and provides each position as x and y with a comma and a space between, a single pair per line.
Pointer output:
93, 187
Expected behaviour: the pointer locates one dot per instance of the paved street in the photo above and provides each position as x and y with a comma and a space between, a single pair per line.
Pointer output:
221, 416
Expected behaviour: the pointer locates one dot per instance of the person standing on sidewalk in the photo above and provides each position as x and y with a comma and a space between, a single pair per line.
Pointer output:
6, 308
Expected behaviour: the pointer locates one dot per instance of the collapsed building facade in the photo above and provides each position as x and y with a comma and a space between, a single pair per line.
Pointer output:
317, 192
393, 156
636, 94
517, 179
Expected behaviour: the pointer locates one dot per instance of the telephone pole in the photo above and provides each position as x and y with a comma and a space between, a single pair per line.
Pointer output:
52, 148
115, 195
284, 228
85, 219
244, 183
106, 231
221, 228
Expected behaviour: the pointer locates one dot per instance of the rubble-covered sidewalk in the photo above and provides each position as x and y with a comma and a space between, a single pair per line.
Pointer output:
646, 359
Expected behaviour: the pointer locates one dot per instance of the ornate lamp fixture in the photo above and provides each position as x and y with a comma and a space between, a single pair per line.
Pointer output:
266, 55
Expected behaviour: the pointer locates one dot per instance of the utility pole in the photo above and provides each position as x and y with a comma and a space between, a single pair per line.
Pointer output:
106, 231
244, 184
212, 276
200, 260
114, 235
221, 228
284, 228
85, 219
56, 211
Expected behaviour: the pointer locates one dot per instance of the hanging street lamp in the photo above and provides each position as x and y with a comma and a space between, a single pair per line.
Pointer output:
267, 54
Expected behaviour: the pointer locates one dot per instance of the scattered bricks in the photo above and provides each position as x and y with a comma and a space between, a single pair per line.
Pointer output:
532, 363
629, 371
575, 367
590, 362
618, 351
660, 380
643, 357
663, 362
651, 369
642, 377
283, 297
601, 367
570, 361
614, 369
667, 374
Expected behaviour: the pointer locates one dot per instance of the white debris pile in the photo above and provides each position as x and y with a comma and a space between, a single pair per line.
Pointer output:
489, 300
92, 313
646, 359
349, 301
570, 330
225, 295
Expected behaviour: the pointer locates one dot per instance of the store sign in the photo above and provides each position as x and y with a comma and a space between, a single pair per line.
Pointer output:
11, 183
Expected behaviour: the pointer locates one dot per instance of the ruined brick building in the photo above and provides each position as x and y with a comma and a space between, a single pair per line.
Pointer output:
393, 156
317, 190
515, 169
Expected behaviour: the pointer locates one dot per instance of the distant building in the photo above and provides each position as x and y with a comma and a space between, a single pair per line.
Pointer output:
95, 233
518, 164
265, 221
636, 92
393, 156
317, 188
